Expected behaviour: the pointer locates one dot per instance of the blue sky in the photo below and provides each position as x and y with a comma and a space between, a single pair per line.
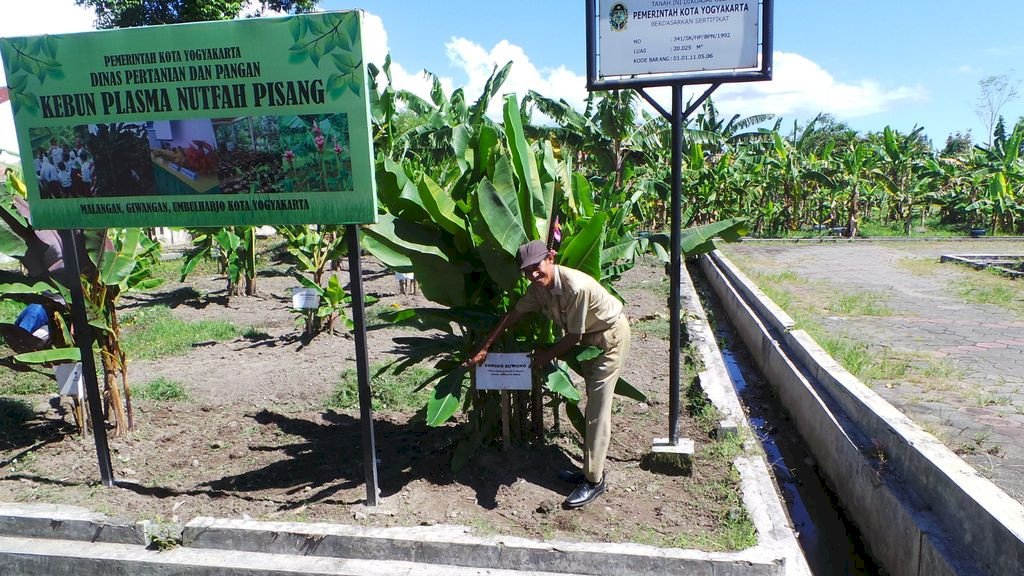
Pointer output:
869, 63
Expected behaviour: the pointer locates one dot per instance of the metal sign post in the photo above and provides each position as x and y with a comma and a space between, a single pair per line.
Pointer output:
355, 271
645, 43
84, 339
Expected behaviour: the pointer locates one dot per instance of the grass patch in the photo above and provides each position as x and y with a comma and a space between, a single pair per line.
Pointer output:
388, 391
170, 270
919, 266
888, 365
152, 333
941, 369
13, 383
254, 333
163, 390
14, 412
854, 355
656, 326
860, 304
932, 226
986, 287
774, 286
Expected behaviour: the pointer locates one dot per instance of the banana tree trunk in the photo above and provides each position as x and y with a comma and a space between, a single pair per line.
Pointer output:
851, 225
112, 389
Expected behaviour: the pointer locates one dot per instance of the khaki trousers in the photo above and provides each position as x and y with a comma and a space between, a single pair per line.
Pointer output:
601, 374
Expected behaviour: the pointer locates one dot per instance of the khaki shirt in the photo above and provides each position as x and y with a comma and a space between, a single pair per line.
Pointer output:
577, 303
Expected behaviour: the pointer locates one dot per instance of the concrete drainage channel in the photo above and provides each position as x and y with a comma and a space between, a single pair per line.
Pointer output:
921, 509
47, 540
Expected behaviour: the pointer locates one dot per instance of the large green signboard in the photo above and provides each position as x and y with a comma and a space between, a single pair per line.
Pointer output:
260, 121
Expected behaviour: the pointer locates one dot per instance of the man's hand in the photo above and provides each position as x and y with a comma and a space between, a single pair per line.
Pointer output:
540, 358
476, 359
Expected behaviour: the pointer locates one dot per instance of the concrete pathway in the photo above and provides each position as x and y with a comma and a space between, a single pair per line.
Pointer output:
966, 384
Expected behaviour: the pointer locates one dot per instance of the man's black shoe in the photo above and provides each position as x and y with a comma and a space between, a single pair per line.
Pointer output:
571, 476
584, 494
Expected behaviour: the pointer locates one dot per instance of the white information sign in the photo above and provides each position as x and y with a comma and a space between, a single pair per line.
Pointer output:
504, 371
676, 36
69, 379
305, 299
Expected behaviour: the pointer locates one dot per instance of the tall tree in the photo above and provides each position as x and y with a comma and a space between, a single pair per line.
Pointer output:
957, 143
130, 13
995, 93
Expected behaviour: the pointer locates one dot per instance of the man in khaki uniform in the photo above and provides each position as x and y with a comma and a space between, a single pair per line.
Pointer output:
588, 315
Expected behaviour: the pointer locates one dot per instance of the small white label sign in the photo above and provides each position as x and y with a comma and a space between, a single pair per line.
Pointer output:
305, 299
504, 371
69, 379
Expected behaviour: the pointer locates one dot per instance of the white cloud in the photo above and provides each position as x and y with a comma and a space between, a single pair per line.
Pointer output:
43, 17
479, 63
800, 87
375, 50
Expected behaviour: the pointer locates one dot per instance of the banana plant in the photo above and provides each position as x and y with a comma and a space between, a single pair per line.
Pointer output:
1002, 199
112, 262
119, 260
235, 250
460, 236
314, 249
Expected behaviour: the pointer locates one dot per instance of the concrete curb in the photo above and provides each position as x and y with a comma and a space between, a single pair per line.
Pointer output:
921, 508
37, 557
72, 541
763, 502
456, 546
67, 523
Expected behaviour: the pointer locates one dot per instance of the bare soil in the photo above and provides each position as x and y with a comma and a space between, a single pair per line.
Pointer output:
255, 440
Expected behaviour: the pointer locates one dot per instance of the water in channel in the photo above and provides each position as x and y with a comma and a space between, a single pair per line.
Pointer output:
830, 542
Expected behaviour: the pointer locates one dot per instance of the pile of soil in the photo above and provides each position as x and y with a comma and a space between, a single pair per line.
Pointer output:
255, 440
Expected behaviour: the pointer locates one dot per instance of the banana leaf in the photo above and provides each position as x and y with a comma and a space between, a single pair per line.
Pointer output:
50, 356
525, 167
558, 381
700, 240
500, 266
439, 204
623, 388
576, 418
420, 318
119, 262
440, 280
501, 211
398, 193
446, 397
406, 236
11, 244
386, 252
582, 251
